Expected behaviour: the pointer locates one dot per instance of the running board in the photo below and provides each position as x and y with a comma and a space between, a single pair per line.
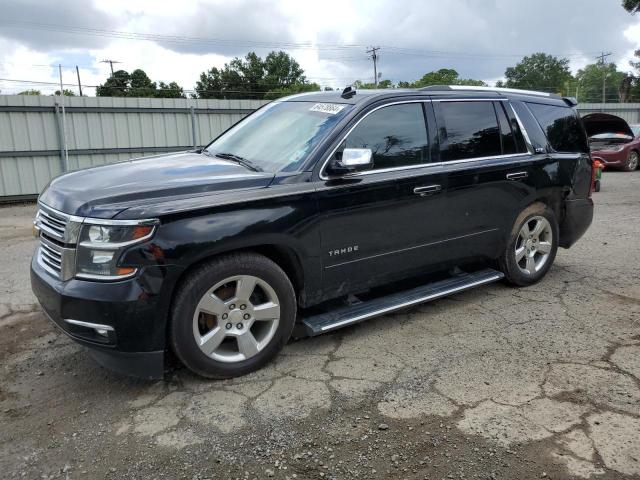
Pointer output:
348, 315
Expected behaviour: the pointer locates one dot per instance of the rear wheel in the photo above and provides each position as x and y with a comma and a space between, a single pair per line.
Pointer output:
532, 246
232, 315
632, 161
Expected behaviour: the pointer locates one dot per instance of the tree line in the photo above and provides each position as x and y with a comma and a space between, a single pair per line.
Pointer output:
279, 74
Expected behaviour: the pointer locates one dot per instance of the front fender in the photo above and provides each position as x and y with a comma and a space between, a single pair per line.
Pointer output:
187, 238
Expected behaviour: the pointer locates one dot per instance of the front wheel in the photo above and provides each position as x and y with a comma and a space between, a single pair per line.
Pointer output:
532, 246
632, 161
232, 315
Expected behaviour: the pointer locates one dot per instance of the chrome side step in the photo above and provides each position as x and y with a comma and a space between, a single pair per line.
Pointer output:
348, 315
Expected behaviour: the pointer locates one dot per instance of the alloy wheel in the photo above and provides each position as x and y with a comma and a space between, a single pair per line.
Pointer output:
236, 318
533, 245
632, 162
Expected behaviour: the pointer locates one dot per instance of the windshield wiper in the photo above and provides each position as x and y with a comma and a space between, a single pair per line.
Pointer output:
240, 161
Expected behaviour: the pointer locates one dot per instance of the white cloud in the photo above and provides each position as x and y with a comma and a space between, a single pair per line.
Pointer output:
430, 34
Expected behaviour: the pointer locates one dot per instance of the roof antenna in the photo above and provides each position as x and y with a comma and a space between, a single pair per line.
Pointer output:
348, 92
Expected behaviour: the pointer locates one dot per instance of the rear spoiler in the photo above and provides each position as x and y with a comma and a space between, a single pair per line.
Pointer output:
571, 101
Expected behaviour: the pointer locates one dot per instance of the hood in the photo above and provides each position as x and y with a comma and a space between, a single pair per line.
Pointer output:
605, 124
105, 191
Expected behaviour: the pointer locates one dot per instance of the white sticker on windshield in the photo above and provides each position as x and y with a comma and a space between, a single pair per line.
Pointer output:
330, 108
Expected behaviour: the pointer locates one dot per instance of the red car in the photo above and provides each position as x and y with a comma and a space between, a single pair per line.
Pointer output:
613, 140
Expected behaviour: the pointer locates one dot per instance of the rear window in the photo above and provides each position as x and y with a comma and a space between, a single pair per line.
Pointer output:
561, 126
471, 131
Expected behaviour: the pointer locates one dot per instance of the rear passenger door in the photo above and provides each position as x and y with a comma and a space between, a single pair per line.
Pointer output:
485, 161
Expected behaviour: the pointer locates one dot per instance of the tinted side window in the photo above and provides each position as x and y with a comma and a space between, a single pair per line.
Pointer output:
562, 127
506, 134
531, 125
470, 131
397, 136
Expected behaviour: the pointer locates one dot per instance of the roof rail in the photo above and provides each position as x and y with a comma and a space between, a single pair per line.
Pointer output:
490, 89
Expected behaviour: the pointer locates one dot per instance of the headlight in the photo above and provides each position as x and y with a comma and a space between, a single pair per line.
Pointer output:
101, 245
619, 148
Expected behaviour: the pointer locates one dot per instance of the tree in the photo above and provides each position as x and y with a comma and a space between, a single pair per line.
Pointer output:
368, 86
587, 85
254, 77
539, 72
140, 85
282, 70
171, 90
66, 91
292, 90
30, 92
632, 6
137, 84
116, 85
444, 76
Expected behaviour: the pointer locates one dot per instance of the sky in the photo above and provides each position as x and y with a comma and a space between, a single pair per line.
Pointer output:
177, 40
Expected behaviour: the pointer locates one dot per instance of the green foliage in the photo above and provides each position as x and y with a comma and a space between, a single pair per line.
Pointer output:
632, 6
140, 85
137, 84
587, 84
444, 76
539, 72
116, 85
30, 92
277, 75
292, 90
170, 90
359, 85
66, 92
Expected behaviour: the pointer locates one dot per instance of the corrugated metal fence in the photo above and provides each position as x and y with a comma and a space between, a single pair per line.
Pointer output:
104, 130
629, 111
98, 131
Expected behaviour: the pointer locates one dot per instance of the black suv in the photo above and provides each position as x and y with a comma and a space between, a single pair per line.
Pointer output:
317, 211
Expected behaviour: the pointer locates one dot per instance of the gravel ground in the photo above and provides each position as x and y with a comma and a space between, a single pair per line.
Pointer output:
494, 383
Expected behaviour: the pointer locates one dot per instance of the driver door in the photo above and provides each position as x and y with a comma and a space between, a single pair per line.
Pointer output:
370, 222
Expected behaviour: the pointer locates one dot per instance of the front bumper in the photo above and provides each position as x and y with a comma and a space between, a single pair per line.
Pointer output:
612, 159
577, 219
122, 323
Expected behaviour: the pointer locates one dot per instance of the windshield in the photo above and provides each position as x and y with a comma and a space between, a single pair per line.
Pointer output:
279, 136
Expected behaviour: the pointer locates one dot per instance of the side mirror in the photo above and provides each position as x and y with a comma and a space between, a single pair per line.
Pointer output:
353, 160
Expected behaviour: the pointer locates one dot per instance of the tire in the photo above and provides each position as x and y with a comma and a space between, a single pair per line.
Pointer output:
632, 161
218, 330
522, 272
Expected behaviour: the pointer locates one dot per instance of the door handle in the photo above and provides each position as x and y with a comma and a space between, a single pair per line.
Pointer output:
517, 175
428, 190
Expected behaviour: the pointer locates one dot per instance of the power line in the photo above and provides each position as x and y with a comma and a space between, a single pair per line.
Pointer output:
181, 39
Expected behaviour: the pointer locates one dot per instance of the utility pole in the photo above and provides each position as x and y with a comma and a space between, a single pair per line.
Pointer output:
374, 56
65, 160
602, 57
79, 84
110, 62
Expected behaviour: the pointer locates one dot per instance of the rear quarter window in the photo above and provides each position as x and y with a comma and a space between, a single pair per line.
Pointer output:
562, 127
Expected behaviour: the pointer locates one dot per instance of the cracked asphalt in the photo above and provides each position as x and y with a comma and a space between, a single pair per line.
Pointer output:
494, 383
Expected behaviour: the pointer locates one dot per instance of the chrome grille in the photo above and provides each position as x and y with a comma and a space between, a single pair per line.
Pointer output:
58, 235
51, 256
52, 224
